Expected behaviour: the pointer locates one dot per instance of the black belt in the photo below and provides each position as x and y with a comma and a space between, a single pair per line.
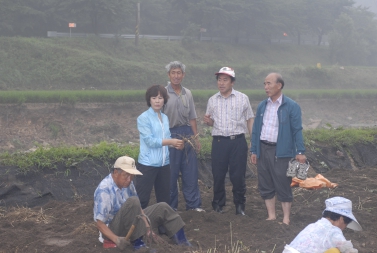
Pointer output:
268, 143
232, 137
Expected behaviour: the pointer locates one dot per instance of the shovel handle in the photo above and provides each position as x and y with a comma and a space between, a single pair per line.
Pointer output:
132, 228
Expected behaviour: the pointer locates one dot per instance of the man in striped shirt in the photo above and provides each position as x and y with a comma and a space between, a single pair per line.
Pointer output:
230, 114
276, 138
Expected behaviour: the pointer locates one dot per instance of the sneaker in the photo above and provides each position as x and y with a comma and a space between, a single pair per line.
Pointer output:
302, 171
138, 244
292, 168
198, 209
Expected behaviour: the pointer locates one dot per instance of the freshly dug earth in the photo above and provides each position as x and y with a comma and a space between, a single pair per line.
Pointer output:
52, 210
67, 225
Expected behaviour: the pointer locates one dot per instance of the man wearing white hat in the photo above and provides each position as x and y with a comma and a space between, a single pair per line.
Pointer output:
229, 113
118, 214
325, 235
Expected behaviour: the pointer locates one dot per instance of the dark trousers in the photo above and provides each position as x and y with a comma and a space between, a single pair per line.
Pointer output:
272, 178
160, 214
232, 154
157, 177
184, 162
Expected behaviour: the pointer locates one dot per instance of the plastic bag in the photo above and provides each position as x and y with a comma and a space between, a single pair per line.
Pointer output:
317, 182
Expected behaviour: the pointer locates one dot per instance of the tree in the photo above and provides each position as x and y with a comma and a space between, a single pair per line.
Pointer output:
321, 15
353, 40
25, 17
97, 15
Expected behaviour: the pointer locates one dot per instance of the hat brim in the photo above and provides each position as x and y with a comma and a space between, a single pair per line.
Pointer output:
133, 171
354, 224
219, 73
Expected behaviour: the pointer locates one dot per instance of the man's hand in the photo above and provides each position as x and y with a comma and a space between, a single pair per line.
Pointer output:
121, 242
301, 158
253, 158
151, 237
207, 119
198, 145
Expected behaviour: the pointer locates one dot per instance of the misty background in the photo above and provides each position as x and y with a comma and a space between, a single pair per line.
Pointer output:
257, 37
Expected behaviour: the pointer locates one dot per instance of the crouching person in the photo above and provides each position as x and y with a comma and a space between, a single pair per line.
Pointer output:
325, 235
120, 218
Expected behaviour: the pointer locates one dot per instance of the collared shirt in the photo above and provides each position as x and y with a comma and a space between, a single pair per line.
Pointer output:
270, 128
319, 237
108, 199
229, 114
180, 108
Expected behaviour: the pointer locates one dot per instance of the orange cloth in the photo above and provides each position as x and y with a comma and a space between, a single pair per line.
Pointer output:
317, 182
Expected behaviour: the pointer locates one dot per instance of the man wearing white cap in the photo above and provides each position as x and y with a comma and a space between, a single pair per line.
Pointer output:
325, 235
117, 209
229, 113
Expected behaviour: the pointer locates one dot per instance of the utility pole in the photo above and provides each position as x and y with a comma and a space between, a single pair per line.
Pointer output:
137, 25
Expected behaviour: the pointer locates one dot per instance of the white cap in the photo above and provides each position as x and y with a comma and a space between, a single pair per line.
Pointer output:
227, 71
343, 207
127, 164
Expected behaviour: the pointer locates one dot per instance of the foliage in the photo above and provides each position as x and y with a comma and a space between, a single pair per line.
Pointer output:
70, 157
124, 96
341, 136
44, 157
353, 40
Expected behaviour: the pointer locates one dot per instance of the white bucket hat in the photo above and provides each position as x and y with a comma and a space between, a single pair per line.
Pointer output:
127, 164
227, 71
343, 207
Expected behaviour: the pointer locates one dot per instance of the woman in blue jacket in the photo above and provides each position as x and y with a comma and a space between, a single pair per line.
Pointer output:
155, 138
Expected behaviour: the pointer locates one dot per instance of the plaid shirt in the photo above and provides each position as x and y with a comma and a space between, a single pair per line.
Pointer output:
229, 114
270, 128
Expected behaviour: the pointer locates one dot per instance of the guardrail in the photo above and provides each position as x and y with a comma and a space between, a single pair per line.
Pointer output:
304, 41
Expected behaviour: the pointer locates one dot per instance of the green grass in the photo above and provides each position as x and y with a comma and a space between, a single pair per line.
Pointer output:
115, 96
116, 64
106, 152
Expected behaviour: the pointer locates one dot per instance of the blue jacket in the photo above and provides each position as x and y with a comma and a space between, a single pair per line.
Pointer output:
290, 141
152, 132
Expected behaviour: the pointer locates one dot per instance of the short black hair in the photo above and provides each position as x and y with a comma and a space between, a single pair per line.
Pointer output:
335, 216
153, 91
233, 79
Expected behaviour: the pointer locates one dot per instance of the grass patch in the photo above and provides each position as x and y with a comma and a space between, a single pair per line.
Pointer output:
113, 64
121, 96
108, 152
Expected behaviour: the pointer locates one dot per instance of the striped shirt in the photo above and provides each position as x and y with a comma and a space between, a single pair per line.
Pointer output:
229, 114
270, 127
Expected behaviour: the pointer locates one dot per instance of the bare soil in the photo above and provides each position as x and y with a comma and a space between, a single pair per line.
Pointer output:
52, 212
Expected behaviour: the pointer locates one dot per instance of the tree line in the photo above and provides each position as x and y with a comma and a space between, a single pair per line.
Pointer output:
351, 29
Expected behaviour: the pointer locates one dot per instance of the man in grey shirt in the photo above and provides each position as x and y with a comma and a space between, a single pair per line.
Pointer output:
180, 110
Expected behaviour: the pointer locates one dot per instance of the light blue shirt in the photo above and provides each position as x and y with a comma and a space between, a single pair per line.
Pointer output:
152, 132
108, 199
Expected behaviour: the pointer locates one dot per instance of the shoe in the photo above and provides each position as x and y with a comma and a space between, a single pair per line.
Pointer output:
302, 171
217, 209
292, 168
161, 230
240, 209
198, 209
138, 244
180, 238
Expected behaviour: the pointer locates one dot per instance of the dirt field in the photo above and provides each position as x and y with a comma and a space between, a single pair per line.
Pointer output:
60, 216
